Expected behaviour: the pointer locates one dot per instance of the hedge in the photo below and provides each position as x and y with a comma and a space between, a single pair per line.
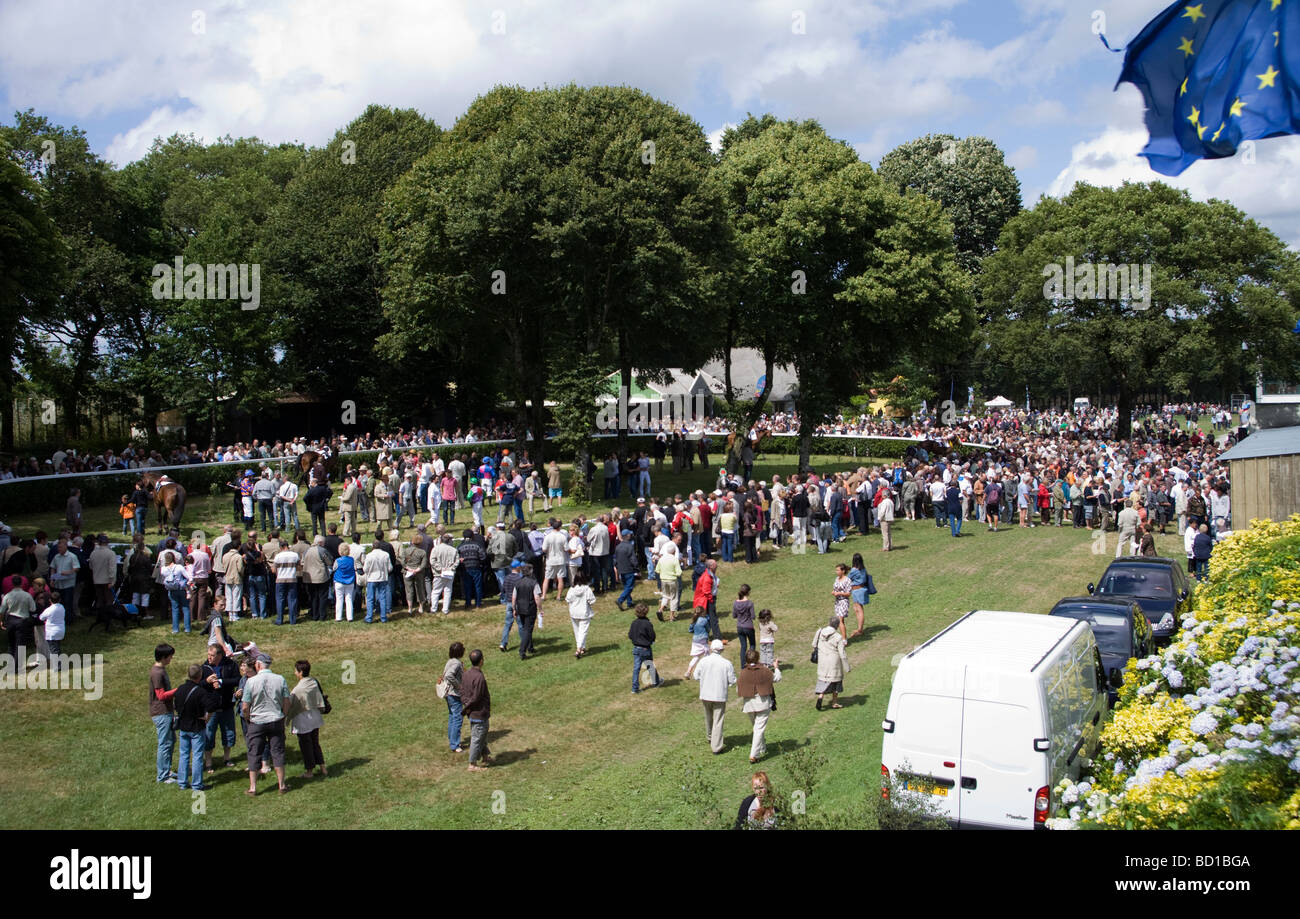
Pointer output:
43, 493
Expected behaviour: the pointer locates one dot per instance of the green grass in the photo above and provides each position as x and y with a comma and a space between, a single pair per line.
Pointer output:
575, 749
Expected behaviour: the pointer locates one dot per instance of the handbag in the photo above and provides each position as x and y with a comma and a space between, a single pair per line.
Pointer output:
816, 641
871, 586
326, 708
442, 688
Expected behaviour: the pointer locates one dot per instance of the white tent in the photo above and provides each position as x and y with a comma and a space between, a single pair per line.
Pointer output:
999, 402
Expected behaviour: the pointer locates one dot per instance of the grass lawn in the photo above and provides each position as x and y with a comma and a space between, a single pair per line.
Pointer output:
573, 748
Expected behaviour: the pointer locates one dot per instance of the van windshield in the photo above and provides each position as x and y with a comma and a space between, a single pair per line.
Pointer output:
1129, 582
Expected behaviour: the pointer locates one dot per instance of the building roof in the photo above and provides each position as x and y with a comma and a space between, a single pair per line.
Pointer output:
1267, 442
746, 371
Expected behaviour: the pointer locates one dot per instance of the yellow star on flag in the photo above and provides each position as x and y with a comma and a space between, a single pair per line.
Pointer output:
1183, 89
1195, 117
1195, 12
1236, 108
1267, 77
1276, 4
1216, 133
1186, 46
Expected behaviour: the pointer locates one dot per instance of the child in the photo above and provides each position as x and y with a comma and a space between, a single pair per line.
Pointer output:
699, 639
766, 638
743, 612
127, 510
642, 634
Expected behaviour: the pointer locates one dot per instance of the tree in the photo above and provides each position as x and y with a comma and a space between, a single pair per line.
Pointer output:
31, 259
838, 274
219, 354
1210, 279
571, 217
969, 177
322, 241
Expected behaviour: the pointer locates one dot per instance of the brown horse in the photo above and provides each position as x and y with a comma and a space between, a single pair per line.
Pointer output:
168, 499
311, 462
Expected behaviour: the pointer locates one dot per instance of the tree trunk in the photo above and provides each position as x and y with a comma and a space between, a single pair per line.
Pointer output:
625, 380
1124, 424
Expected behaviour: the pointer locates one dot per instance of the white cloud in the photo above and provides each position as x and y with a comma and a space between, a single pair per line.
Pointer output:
1267, 189
297, 70
715, 136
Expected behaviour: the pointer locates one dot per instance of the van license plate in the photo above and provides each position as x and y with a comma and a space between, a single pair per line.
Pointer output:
926, 789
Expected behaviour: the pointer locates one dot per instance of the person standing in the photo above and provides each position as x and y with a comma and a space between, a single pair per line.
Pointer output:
716, 676
642, 635
415, 570
348, 506
500, 550
832, 662
452, 673
286, 563
526, 600
221, 676
177, 584
754, 686
377, 568
344, 571
554, 486
952, 499
743, 612
266, 703
18, 614
885, 517
472, 556
194, 706
625, 567
103, 572
477, 704
317, 501
1202, 548
288, 496
443, 559
161, 710
308, 707
64, 569
316, 564
582, 602
1128, 523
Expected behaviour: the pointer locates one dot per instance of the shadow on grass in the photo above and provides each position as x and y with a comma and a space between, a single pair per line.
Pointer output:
869, 631
600, 649
846, 701
512, 756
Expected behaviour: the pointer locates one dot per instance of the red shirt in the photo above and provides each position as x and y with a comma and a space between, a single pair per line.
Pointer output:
704, 589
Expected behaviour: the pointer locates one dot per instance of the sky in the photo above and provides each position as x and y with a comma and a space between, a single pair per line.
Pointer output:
1032, 75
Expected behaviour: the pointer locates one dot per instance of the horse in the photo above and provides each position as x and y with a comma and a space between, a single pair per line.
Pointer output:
310, 462
168, 499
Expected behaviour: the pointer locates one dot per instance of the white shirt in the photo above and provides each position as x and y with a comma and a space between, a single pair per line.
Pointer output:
580, 600
286, 566
289, 491
577, 549
53, 618
715, 675
555, 548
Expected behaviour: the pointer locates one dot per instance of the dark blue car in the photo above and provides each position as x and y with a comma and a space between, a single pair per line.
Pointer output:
1121, 628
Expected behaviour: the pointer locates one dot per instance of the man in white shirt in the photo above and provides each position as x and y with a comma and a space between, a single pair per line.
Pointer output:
457, 469
555, 556
716, 676
103, 571
885, 518
286, 563
288, 495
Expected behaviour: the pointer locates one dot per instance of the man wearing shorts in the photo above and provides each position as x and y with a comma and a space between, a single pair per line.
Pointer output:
555, 555
266, 702
554, 487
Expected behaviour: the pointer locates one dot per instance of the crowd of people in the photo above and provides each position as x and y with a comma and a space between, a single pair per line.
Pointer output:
1035, 473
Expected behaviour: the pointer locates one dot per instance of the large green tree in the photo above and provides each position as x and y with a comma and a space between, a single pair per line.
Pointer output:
322, 241
571, 217
1218, 279
31, 260
838, 274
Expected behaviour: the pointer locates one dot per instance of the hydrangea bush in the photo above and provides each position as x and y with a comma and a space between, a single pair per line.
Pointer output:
1206, 734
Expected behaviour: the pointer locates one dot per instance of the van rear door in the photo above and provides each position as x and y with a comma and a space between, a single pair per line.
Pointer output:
1000, 771
926, 748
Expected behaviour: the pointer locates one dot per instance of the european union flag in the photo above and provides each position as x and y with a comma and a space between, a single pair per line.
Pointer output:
1214, 74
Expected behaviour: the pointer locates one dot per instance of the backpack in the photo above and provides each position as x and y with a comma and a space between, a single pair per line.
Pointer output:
175, 581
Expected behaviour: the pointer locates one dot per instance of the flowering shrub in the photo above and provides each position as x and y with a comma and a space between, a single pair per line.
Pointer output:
1206, 734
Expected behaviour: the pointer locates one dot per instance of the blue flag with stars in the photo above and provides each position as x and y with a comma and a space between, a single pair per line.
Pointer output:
1214, 74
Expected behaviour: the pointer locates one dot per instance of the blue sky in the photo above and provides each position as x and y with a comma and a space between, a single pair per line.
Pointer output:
1031, 75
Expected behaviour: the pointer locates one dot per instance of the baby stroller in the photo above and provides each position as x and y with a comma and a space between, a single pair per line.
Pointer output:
126, 614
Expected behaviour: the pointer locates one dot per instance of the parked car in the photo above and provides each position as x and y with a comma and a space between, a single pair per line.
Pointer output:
988, 716
1159, 585
1120, 627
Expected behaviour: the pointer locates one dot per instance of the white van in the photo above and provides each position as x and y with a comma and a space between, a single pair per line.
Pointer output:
990, 714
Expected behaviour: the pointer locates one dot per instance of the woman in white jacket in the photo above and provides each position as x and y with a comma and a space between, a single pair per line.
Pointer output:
582, 603
832, 662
